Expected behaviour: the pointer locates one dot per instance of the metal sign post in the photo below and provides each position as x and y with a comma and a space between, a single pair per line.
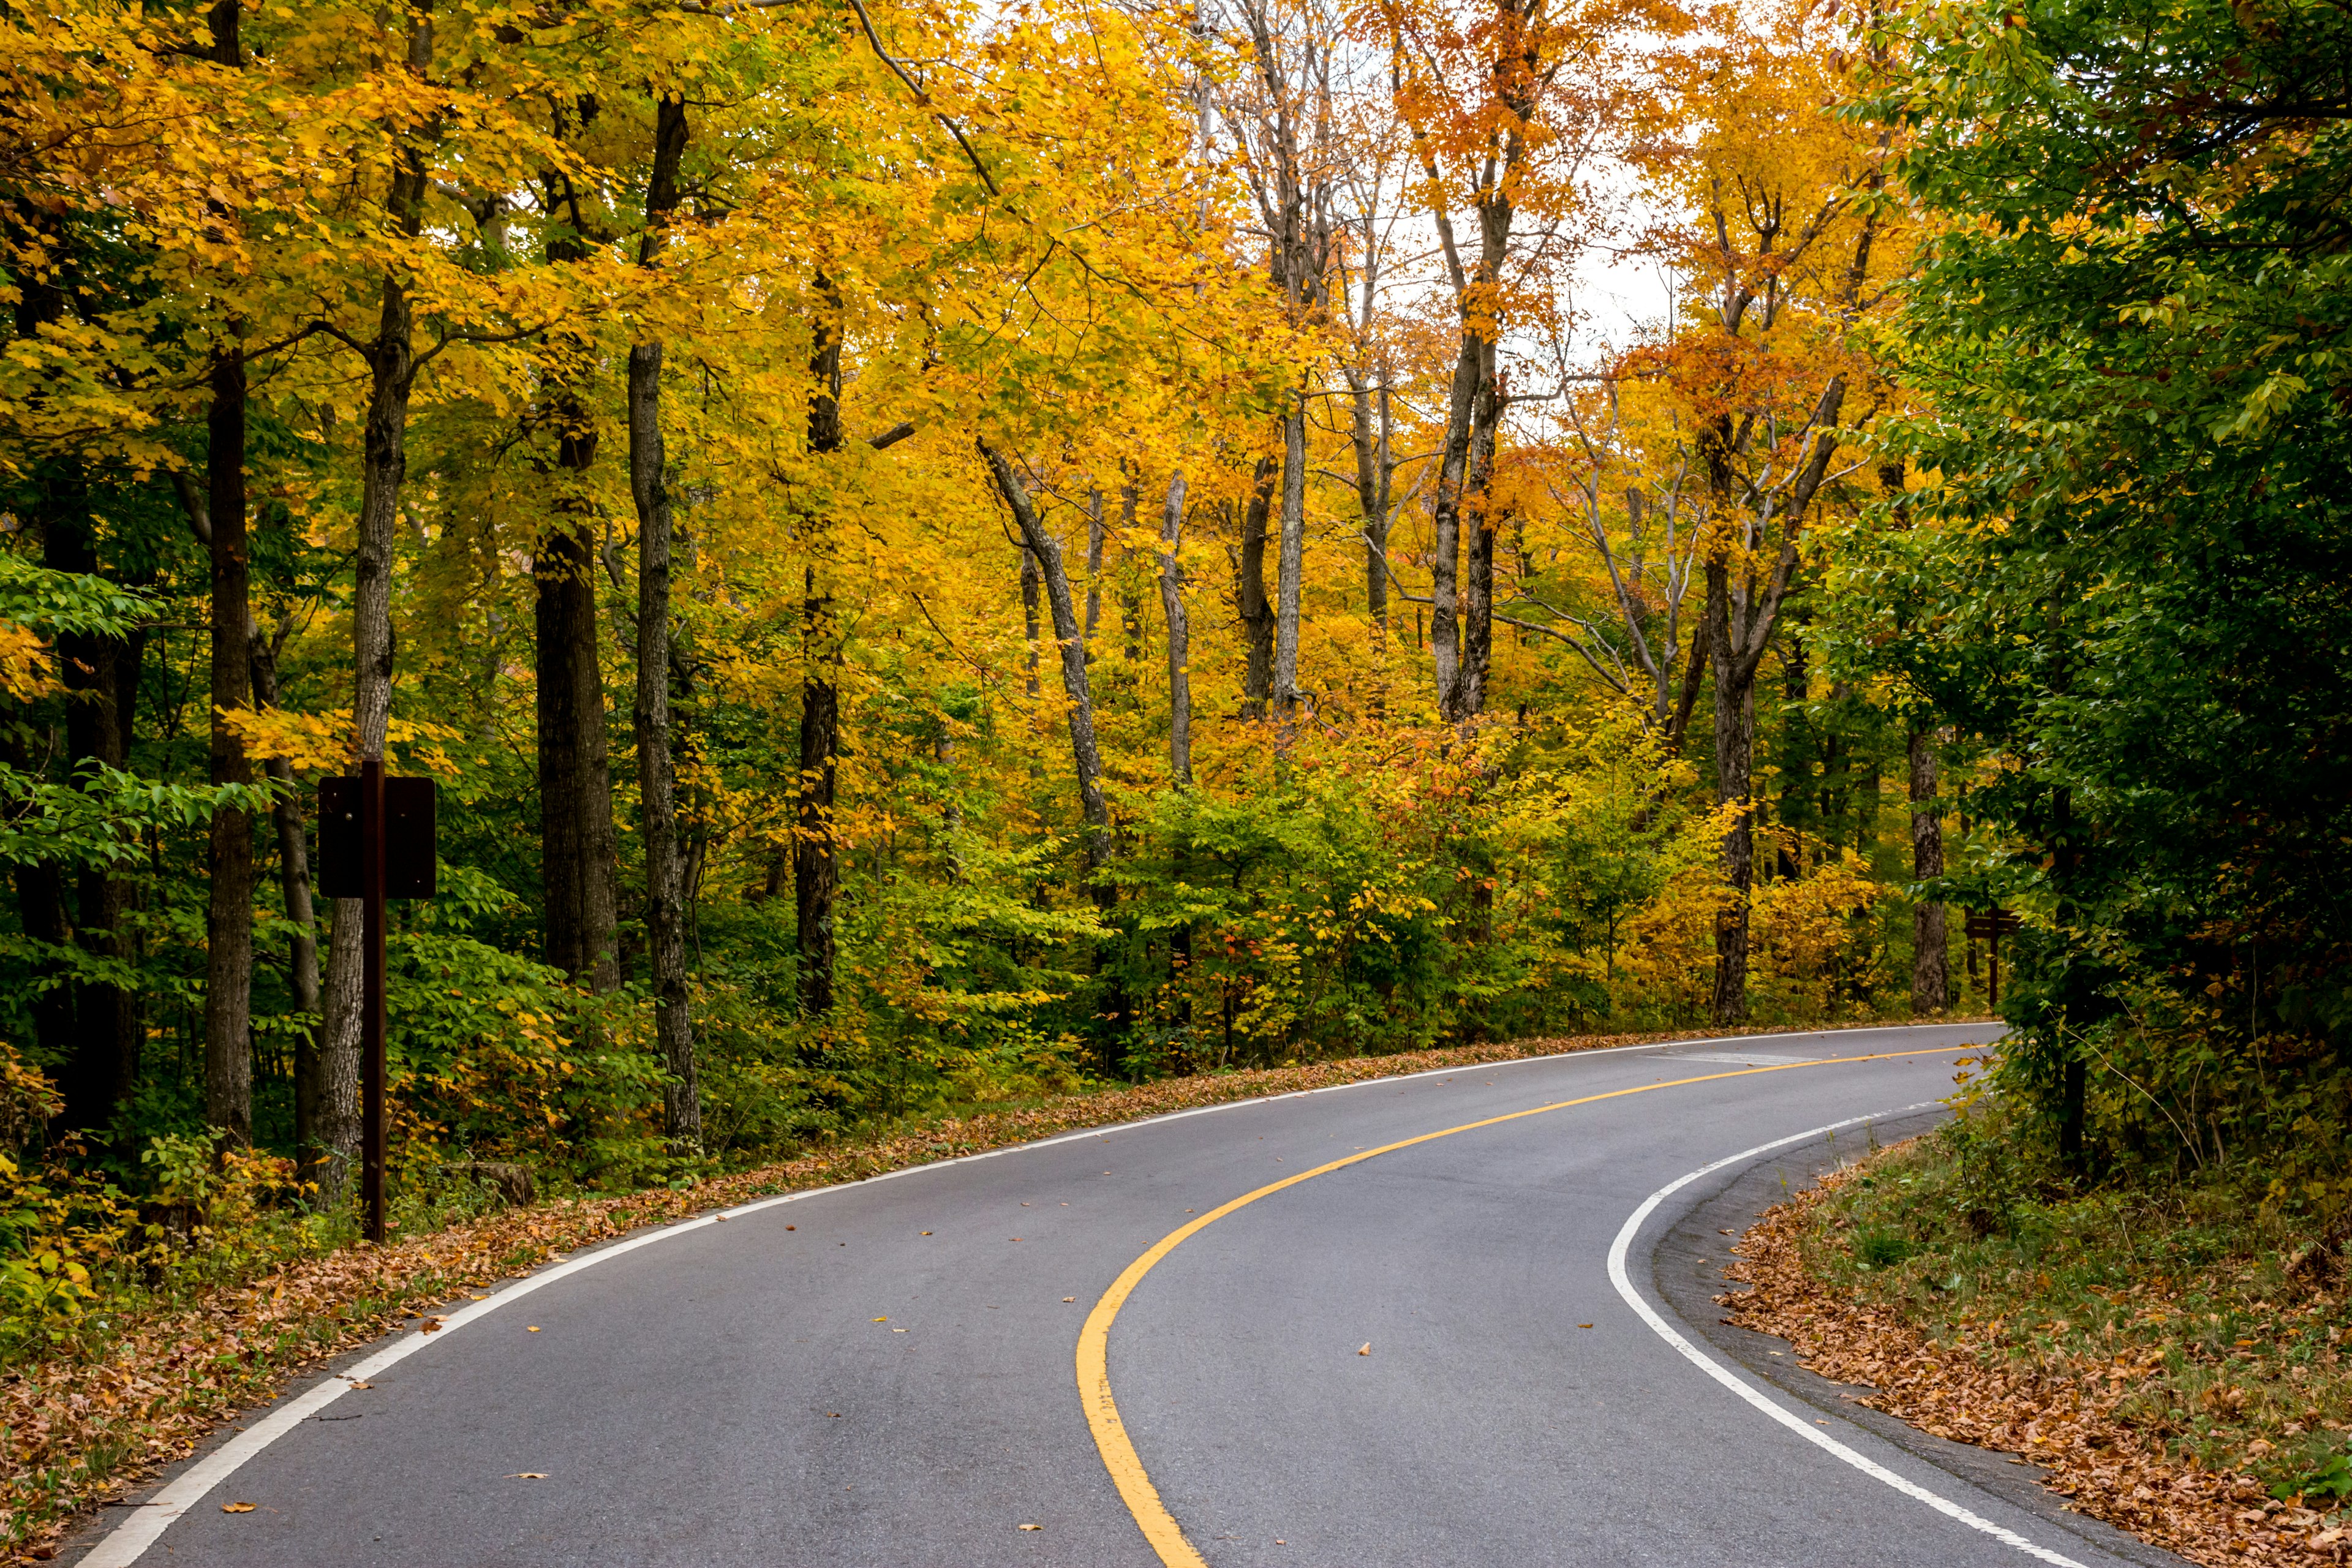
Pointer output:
376, 842
1990, 926
372, 995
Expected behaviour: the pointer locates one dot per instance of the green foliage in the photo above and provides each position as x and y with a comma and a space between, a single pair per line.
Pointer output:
2120, 566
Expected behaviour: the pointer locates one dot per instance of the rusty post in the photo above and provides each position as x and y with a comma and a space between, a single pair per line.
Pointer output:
371, 880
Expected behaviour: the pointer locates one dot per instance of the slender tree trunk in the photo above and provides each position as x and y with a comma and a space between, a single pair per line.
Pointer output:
1289, 565
1030, 609
1735, 740
1478, 627
392, 376
228, 914
229, 907
1931, 986
96, 1028
580, 846
1370, 434
656, 778
816, 852
1179, 639
1094, 565
294, 886
1445, 516
1257, 613
1067, 632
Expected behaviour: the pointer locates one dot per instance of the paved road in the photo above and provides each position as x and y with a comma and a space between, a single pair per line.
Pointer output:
733, 1393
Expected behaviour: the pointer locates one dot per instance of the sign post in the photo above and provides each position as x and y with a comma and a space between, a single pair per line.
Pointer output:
376, 842
1990, 926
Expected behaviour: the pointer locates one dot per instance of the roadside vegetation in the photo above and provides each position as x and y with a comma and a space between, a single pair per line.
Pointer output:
2173, 1350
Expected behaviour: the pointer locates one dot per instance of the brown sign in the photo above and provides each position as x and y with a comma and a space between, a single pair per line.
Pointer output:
409, 862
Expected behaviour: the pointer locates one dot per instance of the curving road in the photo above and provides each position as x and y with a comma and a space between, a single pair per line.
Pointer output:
891, 1373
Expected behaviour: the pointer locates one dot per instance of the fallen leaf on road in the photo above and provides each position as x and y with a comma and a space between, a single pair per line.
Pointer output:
835, 1414
527, 1475
927, 1233
237, 1508
532, 1329
792, 1227
1069, 1298
356, 1383
898, 1330
881, 1320
429, 1326
1032, 1527
1588, 1325
1367, 1349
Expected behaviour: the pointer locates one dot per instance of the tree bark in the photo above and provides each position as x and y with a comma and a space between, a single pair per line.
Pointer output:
1289, 564
1070, 635
656, 776
1094, 565
1735, 740
294, 886
229, 910
579, 845
85, 1022
392, 376
1373, 478
1179, 639
1445, 518
816, 852
1931, 984
1257, 613
1477, 632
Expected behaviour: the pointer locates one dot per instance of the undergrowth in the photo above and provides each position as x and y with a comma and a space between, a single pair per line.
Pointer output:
2205, 1307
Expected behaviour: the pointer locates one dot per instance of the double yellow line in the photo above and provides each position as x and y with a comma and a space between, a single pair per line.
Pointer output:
1118, 1455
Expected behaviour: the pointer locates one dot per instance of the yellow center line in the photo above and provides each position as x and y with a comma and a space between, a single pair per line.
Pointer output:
1118, 1455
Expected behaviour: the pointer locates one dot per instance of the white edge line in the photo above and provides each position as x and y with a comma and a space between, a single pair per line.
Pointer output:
1799, 1424
124, 1545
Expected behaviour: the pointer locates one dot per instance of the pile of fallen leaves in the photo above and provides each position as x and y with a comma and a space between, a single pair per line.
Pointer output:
2054, 1408
79, 1430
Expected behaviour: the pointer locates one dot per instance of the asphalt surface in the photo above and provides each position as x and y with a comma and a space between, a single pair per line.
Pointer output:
732, 1394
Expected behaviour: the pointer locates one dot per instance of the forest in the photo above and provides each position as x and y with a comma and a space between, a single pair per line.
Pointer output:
943, 555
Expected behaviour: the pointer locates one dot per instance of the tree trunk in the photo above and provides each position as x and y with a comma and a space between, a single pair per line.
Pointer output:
1445, 517
578, 846
228, 911
816, 851
1179, 639
1070, 635
1257, 613
1477, 630
99, 1027
1742, 612
577, 842
1289, 565
294, 886
95, 1028
656, 777
392, 376
1094, 564
1373, 479
1931, 986
1029, 611
1735, 740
